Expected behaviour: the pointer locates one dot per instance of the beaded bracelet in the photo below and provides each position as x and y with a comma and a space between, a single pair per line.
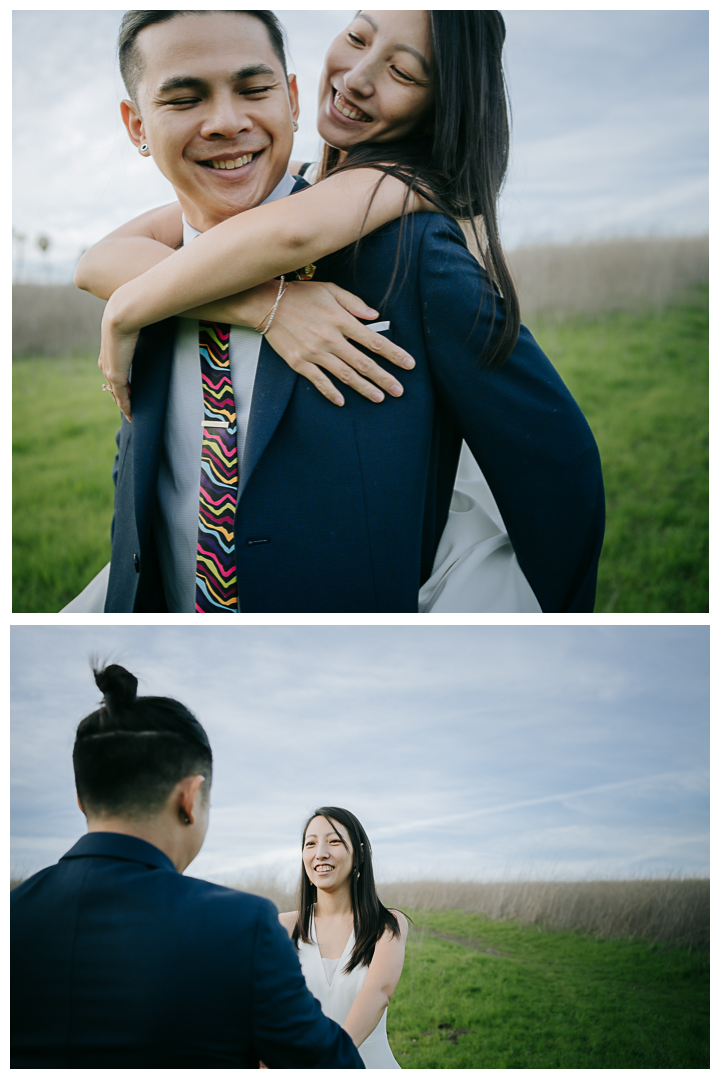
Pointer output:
281, 293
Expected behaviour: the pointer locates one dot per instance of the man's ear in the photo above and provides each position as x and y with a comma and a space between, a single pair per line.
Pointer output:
133, 122
188, 796
293, 96
82, 808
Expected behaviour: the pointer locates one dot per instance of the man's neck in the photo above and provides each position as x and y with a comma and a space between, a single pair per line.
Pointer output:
151, 830
205, 220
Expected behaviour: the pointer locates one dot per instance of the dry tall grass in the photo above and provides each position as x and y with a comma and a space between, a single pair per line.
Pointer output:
609, 275
55, 320
282, 897
556, 280
673, 910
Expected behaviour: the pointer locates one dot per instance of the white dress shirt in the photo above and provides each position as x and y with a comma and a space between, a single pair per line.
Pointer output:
175, 524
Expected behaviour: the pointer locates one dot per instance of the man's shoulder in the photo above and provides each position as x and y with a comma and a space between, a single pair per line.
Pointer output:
419, 235
417, 244
216, 911
206, 894
419, 227
25, 887
224, 892
223, 897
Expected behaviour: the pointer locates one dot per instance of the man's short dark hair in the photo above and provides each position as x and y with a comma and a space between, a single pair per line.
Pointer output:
130, 753
130, 56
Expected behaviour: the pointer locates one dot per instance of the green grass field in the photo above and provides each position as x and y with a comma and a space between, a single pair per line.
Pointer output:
642, 383
476, 994
63, 451
640, 379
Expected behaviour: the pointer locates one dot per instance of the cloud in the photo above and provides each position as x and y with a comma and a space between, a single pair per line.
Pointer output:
444, 740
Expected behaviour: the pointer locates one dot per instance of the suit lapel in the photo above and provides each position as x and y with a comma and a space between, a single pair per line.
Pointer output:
152, 365
274, 383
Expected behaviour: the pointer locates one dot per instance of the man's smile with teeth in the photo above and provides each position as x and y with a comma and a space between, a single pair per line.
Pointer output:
216, 163
347, 109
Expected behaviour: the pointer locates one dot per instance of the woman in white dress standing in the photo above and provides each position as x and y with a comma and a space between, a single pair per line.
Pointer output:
351, 947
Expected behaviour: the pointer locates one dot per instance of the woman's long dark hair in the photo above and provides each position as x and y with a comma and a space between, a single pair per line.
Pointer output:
370, 918
459, 159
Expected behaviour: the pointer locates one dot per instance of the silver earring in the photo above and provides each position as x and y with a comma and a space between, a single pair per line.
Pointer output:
144, 148
187, 820
295, 125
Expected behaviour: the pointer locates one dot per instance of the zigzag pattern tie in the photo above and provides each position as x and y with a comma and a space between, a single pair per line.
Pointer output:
216, 578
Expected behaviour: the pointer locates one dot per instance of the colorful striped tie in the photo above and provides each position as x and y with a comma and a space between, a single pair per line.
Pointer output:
216, 578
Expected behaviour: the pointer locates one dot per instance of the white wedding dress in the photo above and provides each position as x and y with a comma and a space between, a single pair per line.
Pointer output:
336, 992
475, 568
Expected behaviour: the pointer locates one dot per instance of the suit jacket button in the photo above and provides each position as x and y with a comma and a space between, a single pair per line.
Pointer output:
136, 560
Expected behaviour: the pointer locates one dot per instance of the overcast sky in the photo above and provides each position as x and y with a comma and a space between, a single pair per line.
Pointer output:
467, 752
610, 125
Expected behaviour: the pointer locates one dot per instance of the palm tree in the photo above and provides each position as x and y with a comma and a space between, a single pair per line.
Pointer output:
43, 242
19, 243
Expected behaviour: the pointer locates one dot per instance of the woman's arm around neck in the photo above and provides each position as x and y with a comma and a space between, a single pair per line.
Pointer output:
129, 251
260, 244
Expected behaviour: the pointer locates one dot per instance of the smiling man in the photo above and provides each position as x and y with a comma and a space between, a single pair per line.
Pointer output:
232, 65
211, 101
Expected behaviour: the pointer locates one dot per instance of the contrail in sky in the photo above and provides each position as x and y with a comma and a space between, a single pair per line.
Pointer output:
408, 826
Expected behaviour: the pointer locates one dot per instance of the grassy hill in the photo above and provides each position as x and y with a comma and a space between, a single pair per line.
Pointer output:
642, 382
477, 994
640, 378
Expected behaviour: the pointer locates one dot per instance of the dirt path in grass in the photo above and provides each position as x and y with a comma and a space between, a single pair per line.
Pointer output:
467, 942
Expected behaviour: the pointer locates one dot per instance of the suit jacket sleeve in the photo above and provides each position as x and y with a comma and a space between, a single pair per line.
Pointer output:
290, 1029
522, 424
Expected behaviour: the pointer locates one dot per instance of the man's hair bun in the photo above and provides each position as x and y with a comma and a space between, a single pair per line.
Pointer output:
131, 752
118, 685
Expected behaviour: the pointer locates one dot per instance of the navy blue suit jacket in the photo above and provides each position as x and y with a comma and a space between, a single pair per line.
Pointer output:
342, 509
118, 961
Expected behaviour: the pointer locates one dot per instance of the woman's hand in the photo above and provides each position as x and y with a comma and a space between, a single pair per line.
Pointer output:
116, 353
312, 330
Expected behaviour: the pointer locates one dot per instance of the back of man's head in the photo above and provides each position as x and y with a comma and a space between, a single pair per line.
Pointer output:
130, 753
130, 55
